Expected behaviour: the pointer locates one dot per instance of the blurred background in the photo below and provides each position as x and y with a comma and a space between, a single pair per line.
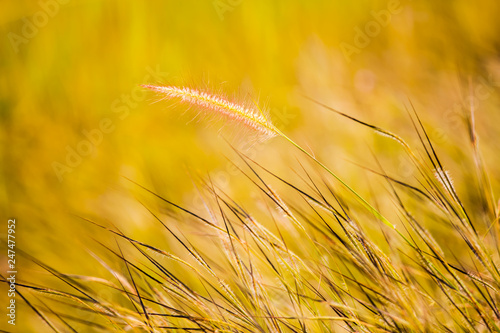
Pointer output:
75, 125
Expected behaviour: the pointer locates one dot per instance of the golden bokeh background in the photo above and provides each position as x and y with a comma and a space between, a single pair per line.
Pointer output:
71, 70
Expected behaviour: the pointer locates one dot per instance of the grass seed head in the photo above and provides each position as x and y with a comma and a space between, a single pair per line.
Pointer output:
217, 105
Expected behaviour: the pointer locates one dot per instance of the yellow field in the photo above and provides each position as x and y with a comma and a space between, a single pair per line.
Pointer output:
77, 130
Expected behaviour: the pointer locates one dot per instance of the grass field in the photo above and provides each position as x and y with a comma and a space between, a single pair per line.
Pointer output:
372, 205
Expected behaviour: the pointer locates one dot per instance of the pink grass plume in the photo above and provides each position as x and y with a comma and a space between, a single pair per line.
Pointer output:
217, 105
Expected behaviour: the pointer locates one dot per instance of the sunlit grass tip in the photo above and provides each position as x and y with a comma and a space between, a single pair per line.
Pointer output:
217, 105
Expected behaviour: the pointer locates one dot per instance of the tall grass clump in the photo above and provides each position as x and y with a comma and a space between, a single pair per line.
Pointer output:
318, 257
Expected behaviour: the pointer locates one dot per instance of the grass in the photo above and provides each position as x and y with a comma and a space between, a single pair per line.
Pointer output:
316, 256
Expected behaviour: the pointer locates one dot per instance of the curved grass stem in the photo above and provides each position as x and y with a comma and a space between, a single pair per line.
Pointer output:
356, 194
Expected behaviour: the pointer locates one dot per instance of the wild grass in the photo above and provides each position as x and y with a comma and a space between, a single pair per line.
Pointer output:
309, 261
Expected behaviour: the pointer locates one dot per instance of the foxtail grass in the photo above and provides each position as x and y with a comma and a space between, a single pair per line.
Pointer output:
217, 105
